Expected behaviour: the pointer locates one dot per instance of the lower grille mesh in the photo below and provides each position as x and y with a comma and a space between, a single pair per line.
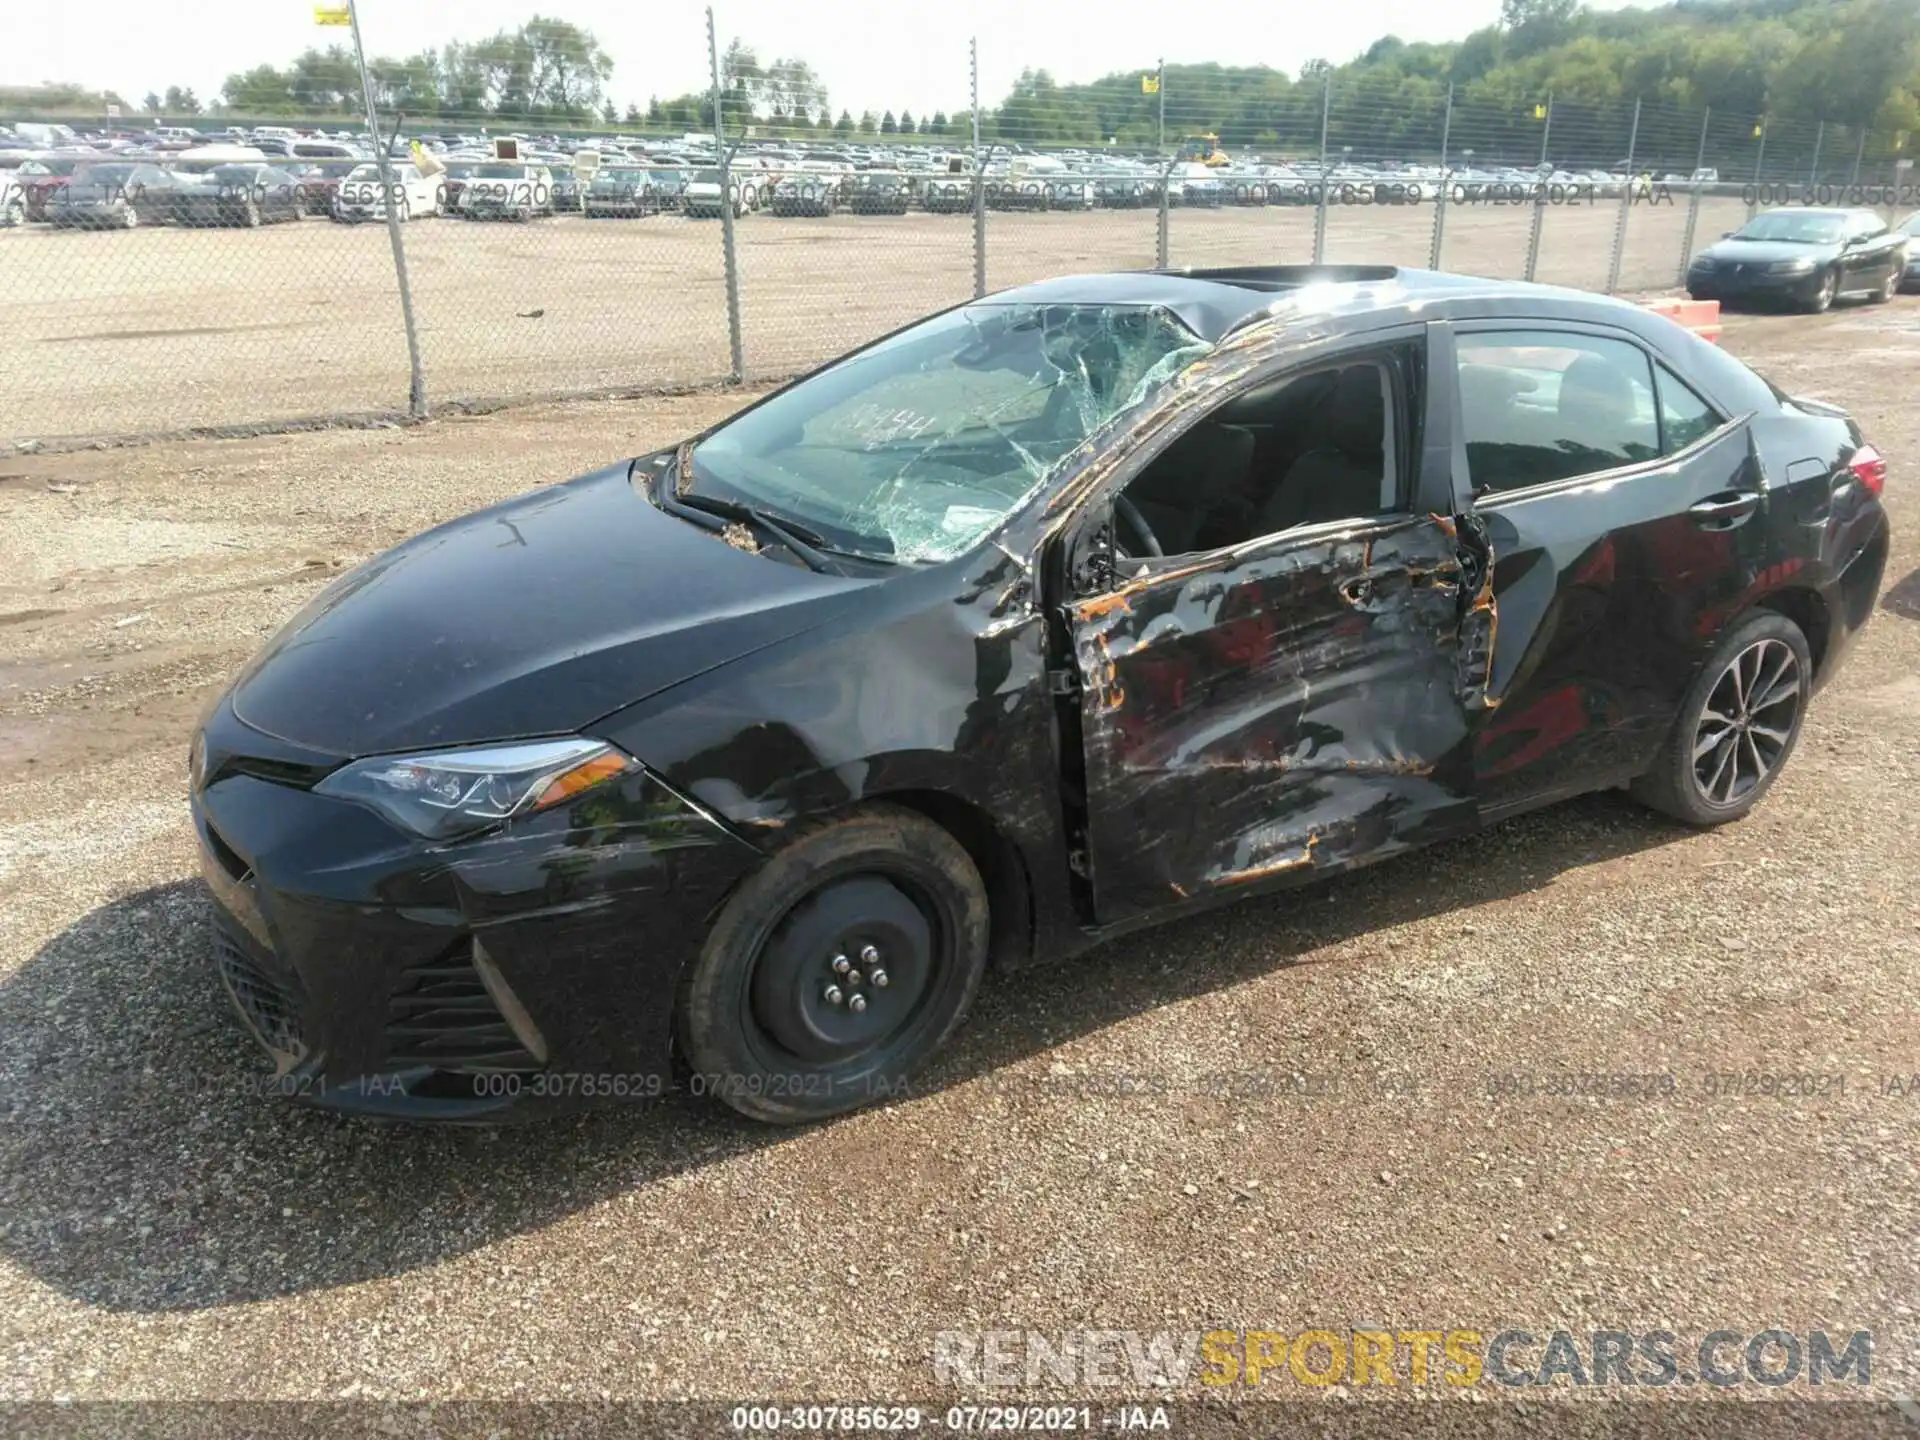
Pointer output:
262, 999
440, 1015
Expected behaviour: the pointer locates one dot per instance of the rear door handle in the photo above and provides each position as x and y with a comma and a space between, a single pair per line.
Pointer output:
1725, 510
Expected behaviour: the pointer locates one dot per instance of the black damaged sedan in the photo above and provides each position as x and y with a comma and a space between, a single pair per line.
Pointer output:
1069, 610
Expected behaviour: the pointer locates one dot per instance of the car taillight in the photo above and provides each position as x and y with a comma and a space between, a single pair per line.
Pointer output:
1869, 469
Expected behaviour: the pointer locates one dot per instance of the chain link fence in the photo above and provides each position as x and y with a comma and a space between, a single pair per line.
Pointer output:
153, 294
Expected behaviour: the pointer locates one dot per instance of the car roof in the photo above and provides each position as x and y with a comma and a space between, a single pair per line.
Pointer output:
1213, 303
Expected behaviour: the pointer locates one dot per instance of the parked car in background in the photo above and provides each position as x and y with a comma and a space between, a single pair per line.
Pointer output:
805, 193
360, 196
318, 181
879, 192
13, 201
247, 195
117, 195
621, 192
1802, 257
702, 197
1910, 227
43, 175
506, 190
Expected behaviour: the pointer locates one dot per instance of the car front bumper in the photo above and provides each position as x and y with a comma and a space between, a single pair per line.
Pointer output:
530, 970
1749, 283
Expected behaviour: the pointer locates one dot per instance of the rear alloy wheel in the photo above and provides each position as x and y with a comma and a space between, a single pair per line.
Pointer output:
1737, 725
1824, 297
837, 969
251, 215
1889, 287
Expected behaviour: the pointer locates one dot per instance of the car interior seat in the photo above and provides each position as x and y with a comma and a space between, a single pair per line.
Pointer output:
1340, 471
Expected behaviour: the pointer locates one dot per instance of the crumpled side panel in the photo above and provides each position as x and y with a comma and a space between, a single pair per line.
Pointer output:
1284, 709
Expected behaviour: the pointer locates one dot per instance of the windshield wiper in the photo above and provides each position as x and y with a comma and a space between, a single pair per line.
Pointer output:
790, 533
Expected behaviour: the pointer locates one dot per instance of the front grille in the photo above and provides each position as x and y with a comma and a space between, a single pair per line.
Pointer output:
269, 1010
440, 1015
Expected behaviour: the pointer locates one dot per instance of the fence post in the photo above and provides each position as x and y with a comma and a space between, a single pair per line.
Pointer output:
1859, 154
1539, 195
1320, 207
735, 345
417, 378
1693, 201
1759, 159
1446, 184
1161, 248
979, 180
1626, 207
1819, 134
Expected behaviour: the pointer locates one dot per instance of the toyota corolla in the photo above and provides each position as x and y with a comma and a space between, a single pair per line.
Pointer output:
1075, 608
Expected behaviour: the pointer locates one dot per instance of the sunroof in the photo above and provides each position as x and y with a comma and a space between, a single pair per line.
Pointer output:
1290, 277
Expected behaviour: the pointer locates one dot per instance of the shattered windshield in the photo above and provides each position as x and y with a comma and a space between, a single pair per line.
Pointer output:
915, 449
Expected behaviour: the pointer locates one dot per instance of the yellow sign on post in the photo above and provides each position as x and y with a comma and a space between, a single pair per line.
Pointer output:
1149, 84
1539, 112
332, 15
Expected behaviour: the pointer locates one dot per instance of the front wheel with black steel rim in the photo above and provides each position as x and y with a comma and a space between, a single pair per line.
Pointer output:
1737, 725
837, 969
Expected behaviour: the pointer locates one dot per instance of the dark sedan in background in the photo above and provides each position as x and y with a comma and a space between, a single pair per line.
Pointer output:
1079, 607
248, 195
1807, 258
1910, 227
114, 196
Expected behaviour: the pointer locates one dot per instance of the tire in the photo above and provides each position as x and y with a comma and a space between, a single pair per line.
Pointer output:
129, 218
16, 215
1824, 297
756, 1017
250, 216
1700, 791
406, 210
1889, 287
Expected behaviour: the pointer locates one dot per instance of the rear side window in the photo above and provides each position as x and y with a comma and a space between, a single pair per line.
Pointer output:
1540, 406
1684, 416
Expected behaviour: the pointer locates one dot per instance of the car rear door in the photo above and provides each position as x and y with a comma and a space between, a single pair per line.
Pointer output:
1286, 706
1626, 519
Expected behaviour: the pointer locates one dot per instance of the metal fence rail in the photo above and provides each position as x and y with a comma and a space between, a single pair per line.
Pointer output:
170, 320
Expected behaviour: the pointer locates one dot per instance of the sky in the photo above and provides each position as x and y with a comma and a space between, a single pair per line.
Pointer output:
872, 54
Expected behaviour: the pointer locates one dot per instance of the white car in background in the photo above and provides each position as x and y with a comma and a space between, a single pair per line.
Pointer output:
359, 196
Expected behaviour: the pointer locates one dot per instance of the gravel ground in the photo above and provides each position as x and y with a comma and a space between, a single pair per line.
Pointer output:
161, 329
1277, 1116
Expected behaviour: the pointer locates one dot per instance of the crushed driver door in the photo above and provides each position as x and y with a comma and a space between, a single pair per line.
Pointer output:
1295, 704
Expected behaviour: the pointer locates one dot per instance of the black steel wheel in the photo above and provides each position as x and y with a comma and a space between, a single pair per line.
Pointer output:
1737, 725
837, 969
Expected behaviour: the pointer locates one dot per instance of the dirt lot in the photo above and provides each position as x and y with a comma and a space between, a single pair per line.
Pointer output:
164, 1232
162, 329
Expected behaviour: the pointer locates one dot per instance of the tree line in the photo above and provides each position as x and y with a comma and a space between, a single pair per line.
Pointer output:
1851, 62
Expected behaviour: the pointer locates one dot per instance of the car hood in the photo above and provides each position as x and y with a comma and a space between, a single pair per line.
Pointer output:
1753, 252
534, 617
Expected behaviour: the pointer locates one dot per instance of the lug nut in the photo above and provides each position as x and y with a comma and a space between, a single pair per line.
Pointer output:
833, 995
841, 964
857, 1004
853, 977
869, 956
879, 978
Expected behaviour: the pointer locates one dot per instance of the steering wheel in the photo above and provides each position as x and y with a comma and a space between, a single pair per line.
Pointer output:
1136, 522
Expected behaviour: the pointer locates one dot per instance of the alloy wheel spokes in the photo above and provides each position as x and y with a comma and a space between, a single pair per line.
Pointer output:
1747, 722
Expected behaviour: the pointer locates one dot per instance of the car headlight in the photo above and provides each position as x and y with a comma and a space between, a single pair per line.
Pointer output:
448, 793
1801, 266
